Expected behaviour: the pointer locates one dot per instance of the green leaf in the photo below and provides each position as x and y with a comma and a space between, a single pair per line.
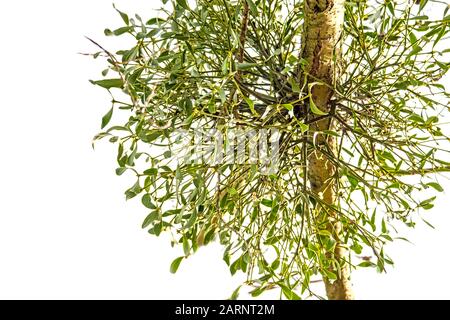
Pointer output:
133, 191
429, 224
416, 49
109, 83
186, 248
272, 240
294, 85
440, 35
191, 220
331, 275
107, 117
366, 264
152, 136
222, 95
155, 20
357, 248
422, 4
267, 203
245, 65
225, 67
175, 264
303, 127
427, 204
167, 154
235, 293
252, 7
132, 157
235, 266
183, 3
187, 106
423, 17
147, 201
212, 107
416, 118
151, 172
156, 230
256, 292
288, 106
152, 216
120, 171
251, 105
390, 7
130, 55
123, 15
412, 38
289, 293
331, 133
435, 186
122, 30
314, 108
353, 180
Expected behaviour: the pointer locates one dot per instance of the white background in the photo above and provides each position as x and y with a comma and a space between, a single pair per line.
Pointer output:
65, 228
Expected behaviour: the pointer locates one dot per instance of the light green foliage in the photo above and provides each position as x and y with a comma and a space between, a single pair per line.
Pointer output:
183, 73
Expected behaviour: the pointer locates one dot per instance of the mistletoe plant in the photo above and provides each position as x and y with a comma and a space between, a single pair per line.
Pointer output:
353, 91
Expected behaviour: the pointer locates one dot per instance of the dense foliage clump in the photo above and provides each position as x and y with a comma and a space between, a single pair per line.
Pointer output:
236, 65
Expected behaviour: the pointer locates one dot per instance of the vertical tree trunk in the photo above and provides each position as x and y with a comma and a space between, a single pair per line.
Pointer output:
320, 48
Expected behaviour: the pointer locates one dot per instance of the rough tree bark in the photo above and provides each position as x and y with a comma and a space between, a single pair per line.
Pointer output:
320, 48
